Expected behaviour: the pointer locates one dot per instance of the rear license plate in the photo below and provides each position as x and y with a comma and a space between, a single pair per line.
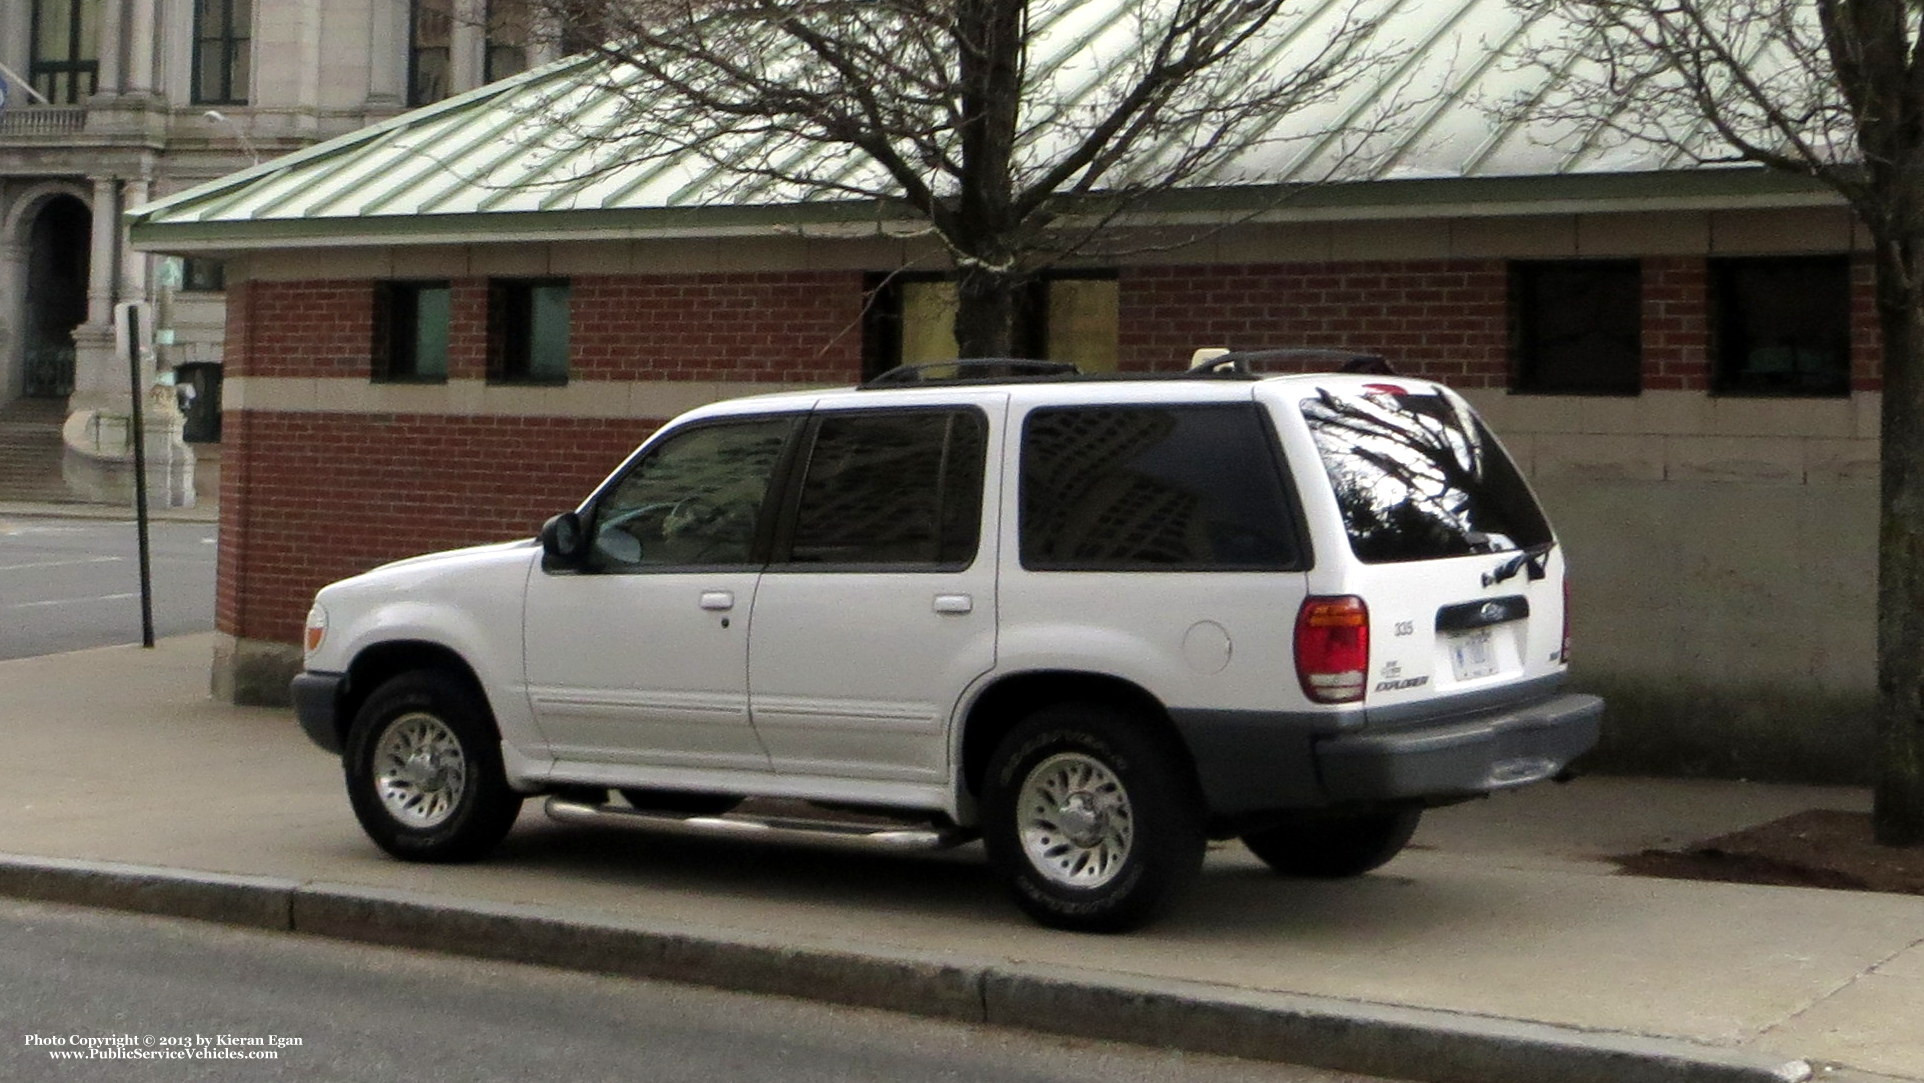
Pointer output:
1472, 654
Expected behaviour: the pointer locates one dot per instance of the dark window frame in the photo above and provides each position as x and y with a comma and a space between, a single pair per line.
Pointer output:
199, 274
69, 69
783, 559
1731, 348
397, 332
417, 11
232, 39
501, 30
512, 341
1532, 370
1288, 502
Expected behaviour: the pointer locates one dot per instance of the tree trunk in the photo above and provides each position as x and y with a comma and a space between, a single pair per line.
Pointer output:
1898, 801
985, 312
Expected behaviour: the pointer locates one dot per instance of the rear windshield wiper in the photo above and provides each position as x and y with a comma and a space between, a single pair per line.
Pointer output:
1532, 558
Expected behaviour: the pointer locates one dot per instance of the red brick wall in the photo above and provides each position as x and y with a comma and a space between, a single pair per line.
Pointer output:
1867, 348
300, 329
308, 498
1676, 334
1443, 319
802, 327
779, 326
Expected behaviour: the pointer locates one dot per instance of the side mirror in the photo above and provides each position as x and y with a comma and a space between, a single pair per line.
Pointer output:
564, 541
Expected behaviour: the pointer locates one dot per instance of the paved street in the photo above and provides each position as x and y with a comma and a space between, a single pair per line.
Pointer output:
67, 584
334, 1011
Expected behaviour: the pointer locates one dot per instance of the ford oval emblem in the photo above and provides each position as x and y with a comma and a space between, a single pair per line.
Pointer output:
1491, 612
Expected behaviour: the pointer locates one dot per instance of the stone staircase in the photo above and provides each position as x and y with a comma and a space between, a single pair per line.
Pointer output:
31, 452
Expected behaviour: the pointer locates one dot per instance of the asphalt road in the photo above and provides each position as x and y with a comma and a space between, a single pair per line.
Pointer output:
72, 980
68, 584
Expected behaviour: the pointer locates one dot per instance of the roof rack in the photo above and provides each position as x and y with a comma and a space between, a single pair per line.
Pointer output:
972, 370
1251, 363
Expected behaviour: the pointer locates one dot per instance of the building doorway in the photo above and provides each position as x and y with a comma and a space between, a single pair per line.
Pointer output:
58, 244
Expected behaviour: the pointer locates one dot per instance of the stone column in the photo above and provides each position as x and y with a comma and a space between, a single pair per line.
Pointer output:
133, 265
100, 266
467, 46
112, 15
94, 383
140, 48
387, 47
13, 320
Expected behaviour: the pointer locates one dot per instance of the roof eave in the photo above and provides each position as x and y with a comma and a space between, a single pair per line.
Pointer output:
1418, 198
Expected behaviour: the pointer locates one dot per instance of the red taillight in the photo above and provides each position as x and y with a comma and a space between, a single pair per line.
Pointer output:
1333, 648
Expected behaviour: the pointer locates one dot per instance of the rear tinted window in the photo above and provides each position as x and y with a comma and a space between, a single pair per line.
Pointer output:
895, 488
1417, 479
1177, 488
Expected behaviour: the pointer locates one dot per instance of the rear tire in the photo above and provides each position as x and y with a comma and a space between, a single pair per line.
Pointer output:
1091, 818
1334, 847
423, 768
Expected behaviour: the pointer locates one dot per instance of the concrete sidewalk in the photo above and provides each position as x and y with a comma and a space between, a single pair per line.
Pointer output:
1501, 946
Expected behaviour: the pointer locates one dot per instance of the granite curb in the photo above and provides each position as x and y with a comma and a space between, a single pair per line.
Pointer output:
201, 513
1427, 1045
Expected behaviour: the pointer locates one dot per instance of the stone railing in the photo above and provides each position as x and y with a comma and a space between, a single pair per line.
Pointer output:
17, 120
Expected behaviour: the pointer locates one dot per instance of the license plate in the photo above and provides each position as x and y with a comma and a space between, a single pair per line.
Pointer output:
1472, 654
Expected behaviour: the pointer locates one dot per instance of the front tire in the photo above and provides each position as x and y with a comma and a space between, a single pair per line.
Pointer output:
1091, 818
423, 768
1334, 847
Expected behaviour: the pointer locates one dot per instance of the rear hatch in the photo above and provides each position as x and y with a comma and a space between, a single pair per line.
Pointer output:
1446, 547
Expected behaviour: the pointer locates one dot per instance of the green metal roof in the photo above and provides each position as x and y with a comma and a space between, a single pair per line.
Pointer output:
493, 164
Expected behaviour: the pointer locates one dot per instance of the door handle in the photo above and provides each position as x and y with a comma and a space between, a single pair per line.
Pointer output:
954, 603
718, 599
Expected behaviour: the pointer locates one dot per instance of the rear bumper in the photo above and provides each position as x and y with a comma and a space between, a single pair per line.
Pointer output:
1513, 746
317, 698
1257, 761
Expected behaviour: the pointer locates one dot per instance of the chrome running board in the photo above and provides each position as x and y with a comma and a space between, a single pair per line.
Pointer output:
780, 829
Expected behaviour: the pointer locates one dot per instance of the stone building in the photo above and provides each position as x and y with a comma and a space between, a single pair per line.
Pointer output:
111, 103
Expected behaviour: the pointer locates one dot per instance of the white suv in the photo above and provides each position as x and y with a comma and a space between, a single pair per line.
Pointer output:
1092, 621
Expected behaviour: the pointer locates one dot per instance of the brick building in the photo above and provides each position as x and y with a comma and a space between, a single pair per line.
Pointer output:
431, 341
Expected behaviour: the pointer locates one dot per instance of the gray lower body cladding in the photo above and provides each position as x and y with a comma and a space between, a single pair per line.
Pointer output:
1253, 761
316, 699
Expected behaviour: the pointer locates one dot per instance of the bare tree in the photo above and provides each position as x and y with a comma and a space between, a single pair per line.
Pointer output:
1832, 90
1014, 132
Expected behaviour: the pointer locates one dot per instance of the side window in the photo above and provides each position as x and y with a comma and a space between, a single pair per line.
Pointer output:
1782, 326
1145, 488
222, 51
430, 45
895, 488
411, 331
1576, 327
528, 331
693, 500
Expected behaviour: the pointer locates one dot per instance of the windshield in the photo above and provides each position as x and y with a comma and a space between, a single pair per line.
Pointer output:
1417, 478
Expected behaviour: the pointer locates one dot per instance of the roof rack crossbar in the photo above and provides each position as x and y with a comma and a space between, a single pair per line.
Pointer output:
984, 369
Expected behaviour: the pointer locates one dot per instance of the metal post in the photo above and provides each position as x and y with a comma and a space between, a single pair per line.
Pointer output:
140, 477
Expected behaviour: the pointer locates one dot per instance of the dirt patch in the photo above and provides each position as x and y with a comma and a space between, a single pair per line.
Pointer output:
1816, 848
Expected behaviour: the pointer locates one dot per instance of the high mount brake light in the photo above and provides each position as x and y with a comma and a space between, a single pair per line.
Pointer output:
1333, 648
